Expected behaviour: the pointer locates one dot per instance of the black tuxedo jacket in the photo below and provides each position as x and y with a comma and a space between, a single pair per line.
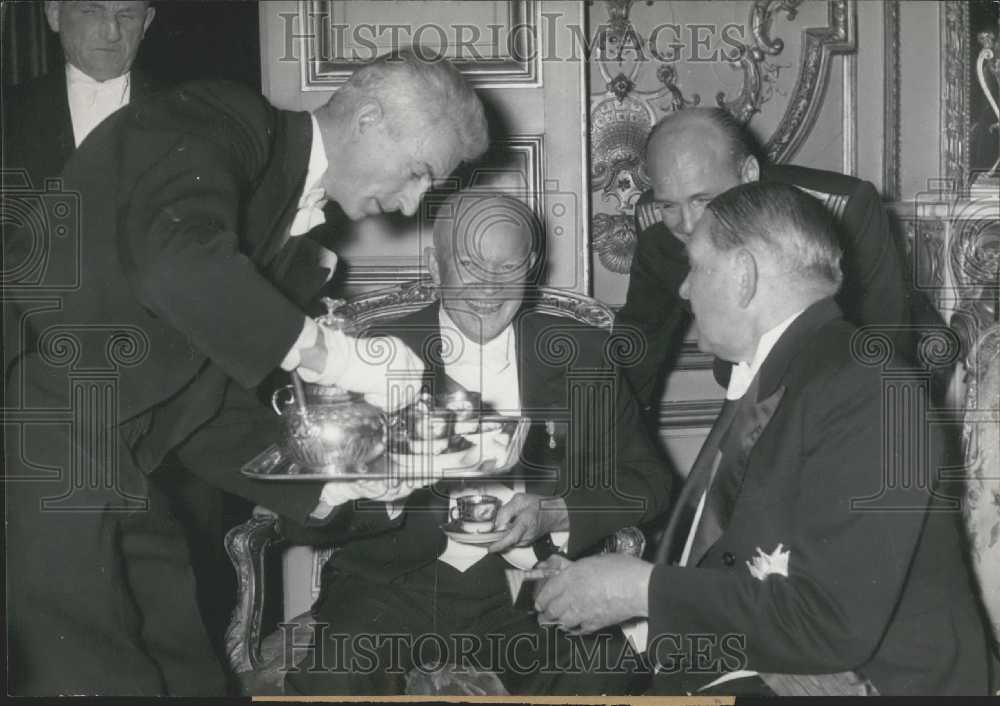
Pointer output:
602, 464
819, 461
185, 282
37, 136
38, 129
874, 289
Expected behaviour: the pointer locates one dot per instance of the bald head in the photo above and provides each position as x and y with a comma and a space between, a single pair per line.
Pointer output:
692, 156
485, 251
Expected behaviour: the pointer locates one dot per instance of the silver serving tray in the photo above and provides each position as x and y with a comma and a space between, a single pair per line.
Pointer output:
273, 464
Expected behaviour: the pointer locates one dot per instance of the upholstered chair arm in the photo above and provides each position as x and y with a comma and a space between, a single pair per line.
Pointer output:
247, 545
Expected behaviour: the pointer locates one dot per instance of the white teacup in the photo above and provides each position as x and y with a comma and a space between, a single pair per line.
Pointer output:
475, 513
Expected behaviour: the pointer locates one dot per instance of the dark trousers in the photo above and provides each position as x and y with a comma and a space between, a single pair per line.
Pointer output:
101, 595
102, 598
370, 634
207, 514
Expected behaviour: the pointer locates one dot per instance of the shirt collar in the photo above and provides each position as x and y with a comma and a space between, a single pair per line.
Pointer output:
743, 373
317, 158
76, 77
500, 349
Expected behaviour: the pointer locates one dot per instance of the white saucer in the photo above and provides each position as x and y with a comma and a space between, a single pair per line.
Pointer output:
454, 531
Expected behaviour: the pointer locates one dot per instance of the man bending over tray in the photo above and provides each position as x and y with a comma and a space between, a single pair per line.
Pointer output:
406, 593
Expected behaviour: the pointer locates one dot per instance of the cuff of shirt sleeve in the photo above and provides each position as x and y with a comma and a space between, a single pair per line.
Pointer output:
306, 339
333, 494
560, 540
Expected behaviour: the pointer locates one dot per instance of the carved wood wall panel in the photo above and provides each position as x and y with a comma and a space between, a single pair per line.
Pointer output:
493, 46
766, 61
955, 92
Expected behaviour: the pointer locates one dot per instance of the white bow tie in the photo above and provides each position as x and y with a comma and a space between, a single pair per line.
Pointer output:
310, 213
112, 88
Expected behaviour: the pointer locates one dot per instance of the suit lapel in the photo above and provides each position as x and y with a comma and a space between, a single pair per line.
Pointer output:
62, 136
755, 410
749, 422
699, 477
275, 196
543, 393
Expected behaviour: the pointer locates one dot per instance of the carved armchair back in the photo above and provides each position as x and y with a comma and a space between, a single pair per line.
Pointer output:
981, 444
976, 265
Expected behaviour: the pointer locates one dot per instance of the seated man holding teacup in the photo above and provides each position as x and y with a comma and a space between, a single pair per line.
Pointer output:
406, 593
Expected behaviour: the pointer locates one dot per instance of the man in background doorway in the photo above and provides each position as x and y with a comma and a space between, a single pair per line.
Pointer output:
45, 120
48, 117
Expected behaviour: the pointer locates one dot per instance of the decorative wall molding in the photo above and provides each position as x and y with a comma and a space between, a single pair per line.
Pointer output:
687, 414
819, 44
614, 240
514, 59
928, 238
955, 92
515, 166
974, 251
618, 132
693, 359
624, 110
891, 101
367, 276
752, 58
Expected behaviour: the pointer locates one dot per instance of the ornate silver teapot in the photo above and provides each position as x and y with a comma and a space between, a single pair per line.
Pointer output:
327, 428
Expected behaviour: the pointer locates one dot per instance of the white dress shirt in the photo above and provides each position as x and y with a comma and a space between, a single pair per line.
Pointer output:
308, 216
313, 198
91, 101
740, 378
489, 369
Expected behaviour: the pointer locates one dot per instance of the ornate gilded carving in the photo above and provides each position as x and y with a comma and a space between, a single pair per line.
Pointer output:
619, 128
975, 263
614, 240
620, 86
622, 119
819, 44
988, 61
667, 75
752, 58
974, 252
955, 92
928, 245
402, 299
890, 111
618, 33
